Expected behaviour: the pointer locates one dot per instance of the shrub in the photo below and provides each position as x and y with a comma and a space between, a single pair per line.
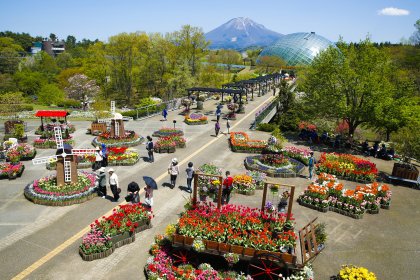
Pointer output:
69, 103
267, 127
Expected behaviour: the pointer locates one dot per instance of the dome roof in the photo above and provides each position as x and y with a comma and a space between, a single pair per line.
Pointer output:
298, 48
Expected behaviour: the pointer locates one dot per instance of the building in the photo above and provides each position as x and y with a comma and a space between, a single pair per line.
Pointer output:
53, 48
298, 48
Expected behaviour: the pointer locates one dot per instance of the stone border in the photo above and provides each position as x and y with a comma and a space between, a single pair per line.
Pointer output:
274, 172
133, 143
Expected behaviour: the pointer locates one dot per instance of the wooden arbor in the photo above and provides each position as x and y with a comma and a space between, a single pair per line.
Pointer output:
223, 91
219, 190
290, 198
51, 114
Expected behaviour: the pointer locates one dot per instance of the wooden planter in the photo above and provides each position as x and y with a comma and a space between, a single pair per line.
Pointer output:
178, 239
224, 247
96, 256
188, 240
405, 171
212, 245
123, 239
236, 249
250, 252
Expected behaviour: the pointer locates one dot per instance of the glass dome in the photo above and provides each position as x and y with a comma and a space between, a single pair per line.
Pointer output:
298, 48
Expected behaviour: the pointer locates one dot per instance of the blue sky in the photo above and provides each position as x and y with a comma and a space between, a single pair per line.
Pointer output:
352, 19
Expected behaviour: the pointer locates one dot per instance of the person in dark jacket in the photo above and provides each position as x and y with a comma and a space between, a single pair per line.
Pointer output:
133, 192
101, 177
149, 147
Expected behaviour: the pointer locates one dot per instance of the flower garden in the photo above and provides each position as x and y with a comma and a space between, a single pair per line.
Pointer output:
21, 151
328, 194
117, 156
130, 139
274, 165
46, 192
49, 128
11, 171
114, 231
169, 139
244, 184
208, 185
195, 119
49, 143
240, 142
347, 167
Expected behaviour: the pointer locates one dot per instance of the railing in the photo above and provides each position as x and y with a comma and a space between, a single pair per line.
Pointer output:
265, 110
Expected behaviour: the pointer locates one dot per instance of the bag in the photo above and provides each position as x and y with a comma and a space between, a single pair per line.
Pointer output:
129, 197
118, 190
136, 198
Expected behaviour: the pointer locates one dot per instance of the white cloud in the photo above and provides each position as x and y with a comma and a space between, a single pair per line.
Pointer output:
391, 11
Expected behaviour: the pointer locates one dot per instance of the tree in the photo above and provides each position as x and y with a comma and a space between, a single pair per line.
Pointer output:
70, 42
347, 83
253, 55
11, 102
30, 82
9, 55
270, 64
407, 141
7, 83
181, 80
24, 40
53, 37
50, 94
81, 87
415, 38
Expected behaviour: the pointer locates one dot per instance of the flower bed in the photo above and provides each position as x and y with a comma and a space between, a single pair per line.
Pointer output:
50, 143
167, 131
130, 139
328, 194
274, 165
240, 142
117, 156
23, 151
208, 185
46, 192
347, 166
244, 184
195, 119
300, 154
114, 231
258, 177
168, 144
11, 171
354, 272
50, 128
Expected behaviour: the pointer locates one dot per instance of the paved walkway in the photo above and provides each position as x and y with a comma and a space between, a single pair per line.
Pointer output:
31, 234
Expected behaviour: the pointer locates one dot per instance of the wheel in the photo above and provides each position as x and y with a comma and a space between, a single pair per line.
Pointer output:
267, 266
183, 256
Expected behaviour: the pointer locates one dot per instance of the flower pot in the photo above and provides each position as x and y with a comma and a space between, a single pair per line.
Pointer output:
373, 211
385, 206
96, 256
188, 240
178, 239
236, 249
123, 239
250, 252
212, 245
224, 247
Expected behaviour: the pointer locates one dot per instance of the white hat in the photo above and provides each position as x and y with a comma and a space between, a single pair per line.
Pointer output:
110, 170
102, 169
174, 160
97, 148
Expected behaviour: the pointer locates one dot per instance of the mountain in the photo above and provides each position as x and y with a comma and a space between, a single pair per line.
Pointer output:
240, 33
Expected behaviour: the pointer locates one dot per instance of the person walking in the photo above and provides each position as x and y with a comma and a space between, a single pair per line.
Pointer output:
227, 188
311, 165
218, 113
114, 184
217, 128
228, 125
149, 147
104, 156
190, 176
98, 159
133, 193
101, 177
173, 170
148, 200
164, 113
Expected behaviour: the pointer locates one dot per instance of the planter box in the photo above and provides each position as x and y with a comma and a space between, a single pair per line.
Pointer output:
236, 249
188, 240
96, 256
250, 252
178, 239
386, 206
123, 239
405, 171
212, 245
371, 211
224, 247
245, 192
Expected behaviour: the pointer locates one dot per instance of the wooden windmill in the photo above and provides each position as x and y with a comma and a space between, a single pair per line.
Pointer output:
117, 123
65, 158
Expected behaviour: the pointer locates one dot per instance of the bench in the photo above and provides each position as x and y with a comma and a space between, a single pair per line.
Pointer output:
414, 183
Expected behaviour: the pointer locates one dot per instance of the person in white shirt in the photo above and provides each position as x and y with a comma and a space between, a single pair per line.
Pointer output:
98, 159
173, 170
113, 183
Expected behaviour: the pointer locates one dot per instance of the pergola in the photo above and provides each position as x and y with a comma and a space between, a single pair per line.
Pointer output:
262, 82
51, 114
223, 91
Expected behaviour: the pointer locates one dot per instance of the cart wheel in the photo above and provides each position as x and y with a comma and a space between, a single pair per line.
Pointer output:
183, 256
267, 266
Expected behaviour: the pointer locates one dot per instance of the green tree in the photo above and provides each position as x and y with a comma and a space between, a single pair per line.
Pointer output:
30, 82
70, 42
407, 141
347, 83
50, 94
181, 80
270, 64
7, 83
11, 103
253, 55
415, 38
9, 55
23, 39
53, 37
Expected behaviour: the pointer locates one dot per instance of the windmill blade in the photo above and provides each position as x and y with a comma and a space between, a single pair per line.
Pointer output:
67, 171
112, 107
117, 128
42, 160
83, 151
58, 137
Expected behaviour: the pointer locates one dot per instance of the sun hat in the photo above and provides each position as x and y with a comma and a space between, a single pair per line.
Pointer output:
102, 169
111, 170
174, 160
97, 148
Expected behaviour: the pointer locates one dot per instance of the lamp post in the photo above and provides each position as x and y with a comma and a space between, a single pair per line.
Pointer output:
174, 121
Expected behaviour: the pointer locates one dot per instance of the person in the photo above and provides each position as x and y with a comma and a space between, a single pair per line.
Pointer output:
227, 188
104, 156
190, 176
324, 136
164, 114
148, 201
149, 148
283, 201
98, 159
311, 165
217, 128
218, 113
383, 154
114, 184
375, 149
365, 147
133, 192
101, 177
228, 125
173, 170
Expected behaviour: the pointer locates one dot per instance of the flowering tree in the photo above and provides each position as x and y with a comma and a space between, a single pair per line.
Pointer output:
81, 88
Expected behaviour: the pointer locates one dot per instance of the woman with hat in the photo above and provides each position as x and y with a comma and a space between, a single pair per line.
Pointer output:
173, 170
101, 177
113, 184
98, 159
133, 193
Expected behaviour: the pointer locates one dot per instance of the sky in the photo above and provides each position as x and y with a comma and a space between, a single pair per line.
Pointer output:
381, 20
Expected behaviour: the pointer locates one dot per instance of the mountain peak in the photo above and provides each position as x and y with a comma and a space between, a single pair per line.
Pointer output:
241, 32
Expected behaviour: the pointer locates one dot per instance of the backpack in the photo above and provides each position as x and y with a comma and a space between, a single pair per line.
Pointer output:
150, 146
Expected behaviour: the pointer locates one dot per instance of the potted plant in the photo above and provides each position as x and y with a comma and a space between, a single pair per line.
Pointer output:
321, 235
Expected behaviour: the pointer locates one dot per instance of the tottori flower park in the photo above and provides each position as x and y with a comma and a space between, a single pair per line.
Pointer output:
244, 151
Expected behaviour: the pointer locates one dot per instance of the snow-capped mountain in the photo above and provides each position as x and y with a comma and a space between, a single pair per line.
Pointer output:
239, 33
